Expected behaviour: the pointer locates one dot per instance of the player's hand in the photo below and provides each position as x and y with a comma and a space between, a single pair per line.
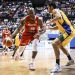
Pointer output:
47, 22
37, 35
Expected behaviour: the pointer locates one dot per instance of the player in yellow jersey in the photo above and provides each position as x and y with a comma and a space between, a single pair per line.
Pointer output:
67, 33
17, 43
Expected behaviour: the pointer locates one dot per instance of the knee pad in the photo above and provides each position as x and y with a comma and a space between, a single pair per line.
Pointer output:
35, 43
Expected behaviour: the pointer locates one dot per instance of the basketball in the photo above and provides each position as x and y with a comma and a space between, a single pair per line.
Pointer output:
8, 42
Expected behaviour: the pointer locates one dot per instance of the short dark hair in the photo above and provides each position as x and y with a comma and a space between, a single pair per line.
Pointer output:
52, 4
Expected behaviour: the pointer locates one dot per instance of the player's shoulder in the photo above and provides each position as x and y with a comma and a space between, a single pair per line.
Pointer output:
25, 18
56, 10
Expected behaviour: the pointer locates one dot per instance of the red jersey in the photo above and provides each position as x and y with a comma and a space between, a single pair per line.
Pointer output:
31, 29
5, 33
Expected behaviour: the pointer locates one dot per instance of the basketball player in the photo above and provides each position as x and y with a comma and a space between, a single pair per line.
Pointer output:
31, 23
5, 35
17, 43
67, 33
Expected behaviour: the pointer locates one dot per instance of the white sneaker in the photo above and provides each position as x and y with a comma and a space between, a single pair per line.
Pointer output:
56, 69
21, 57
31, 67
71, 62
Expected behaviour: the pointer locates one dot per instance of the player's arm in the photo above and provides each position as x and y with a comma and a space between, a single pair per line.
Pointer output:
57, 16
19, 28
53, 28
42, 27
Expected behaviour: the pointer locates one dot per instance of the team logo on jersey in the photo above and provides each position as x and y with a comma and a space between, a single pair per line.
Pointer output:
31, 24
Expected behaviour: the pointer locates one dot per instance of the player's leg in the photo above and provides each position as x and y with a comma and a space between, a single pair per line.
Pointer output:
66, 39
15, 49
18, 52
22, 55
55, 44
24, 41
4, 49
58, 44
7, 50
65, 51
34, 53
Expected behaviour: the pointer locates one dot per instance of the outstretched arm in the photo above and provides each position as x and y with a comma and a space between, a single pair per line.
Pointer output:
52, 27
57, 16
19, 28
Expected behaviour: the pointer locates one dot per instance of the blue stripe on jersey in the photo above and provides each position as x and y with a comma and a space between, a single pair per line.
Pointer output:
66, 27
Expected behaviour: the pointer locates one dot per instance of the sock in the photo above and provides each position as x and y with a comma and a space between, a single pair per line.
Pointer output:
32, 60
69, 57
58, 61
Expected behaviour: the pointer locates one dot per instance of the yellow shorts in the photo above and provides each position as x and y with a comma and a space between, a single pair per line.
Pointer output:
65, 39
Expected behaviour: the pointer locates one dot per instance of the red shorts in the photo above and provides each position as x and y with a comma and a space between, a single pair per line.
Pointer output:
26, 39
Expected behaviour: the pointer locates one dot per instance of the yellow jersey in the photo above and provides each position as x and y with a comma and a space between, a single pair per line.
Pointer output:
67, 28
17, 40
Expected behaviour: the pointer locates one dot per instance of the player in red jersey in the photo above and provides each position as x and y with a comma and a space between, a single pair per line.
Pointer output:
31, 24
6, 38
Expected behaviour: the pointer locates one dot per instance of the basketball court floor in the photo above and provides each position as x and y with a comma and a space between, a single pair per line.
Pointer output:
44, 62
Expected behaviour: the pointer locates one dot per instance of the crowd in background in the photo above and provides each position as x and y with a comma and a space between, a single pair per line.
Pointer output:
12, 12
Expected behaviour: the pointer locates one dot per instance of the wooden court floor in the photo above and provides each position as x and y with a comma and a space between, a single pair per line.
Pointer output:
43, 66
